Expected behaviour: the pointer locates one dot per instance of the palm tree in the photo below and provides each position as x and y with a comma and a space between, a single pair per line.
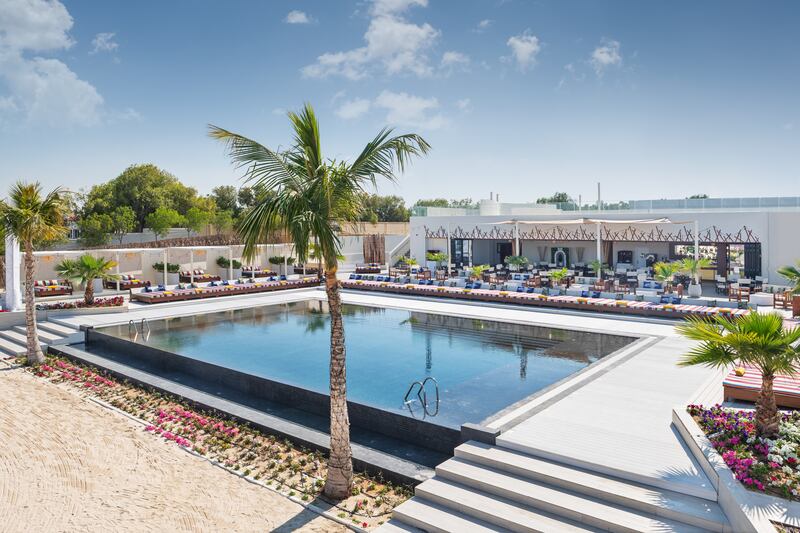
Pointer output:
310, 197
692, 267
86, 269
31, 219
758, 339
792, 273
666, 272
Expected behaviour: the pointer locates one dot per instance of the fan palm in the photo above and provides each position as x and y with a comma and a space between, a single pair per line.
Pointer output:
692, 267
792, 273
31, 218
665, 272
86, 269
310, 197
758, 339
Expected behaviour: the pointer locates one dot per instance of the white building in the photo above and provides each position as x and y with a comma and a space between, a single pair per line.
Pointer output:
749, 236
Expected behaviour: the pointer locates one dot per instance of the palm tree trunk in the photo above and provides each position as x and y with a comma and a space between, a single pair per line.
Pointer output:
34, 353
340, 463
88, 295
767, 416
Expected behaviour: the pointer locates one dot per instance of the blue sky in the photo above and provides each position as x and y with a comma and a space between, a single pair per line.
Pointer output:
654, 100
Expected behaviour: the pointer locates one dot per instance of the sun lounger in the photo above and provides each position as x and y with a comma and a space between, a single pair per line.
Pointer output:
746, 387
51, 287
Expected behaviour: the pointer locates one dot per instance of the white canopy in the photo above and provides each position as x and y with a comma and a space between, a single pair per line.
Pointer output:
662, 220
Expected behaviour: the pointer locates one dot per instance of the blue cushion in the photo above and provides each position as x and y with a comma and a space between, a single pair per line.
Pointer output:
676, 300
283, 277
421, 282
520, 288
476, 285
468, 285
517, 277
665, 299
647, 285
352, 276
584, 294
148, 289
358, 276
595, 294
530, 290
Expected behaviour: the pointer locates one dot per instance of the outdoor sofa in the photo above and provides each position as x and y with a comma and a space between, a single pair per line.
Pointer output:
51, 287
197, 276
126, 282
196, 291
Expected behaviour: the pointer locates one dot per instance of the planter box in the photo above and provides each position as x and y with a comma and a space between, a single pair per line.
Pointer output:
44, 314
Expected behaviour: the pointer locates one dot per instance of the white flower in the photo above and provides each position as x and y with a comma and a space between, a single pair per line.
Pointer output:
787, 470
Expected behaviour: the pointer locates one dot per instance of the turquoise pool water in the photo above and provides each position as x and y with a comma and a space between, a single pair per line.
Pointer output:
481, 366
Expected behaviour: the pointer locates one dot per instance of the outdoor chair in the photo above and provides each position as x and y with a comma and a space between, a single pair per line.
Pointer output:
782, 300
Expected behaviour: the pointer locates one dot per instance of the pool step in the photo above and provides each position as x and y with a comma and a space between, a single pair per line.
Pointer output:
660, 502
12, 348
505, 490
44, 335
58, 329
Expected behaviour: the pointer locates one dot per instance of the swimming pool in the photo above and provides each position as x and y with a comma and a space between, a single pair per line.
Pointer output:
481, 366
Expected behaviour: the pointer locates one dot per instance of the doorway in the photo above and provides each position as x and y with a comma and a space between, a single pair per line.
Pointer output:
504, 249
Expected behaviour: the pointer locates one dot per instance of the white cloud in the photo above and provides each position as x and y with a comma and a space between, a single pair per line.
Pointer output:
524, 49
297, 17
43, 90
454, 60
103, 42
465, 104
392, 44
407, 110
605, 56
483, 25
353, 108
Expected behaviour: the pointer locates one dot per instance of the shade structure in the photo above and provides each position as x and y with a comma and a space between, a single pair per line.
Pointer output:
662, 220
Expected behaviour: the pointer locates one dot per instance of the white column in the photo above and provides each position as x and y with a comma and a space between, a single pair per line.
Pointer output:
599, 248
116, 259
516, 236
449, 250
13, 298
697, 248
166, 258
191, 265
230, 263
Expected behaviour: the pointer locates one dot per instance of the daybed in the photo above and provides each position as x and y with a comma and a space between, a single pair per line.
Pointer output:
578, 299
126, 282
746, 387
162, 294
199, 276
256, 272
51, 287
368, 268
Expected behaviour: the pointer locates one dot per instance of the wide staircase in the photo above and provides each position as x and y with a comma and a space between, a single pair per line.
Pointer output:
13, 340
490, 488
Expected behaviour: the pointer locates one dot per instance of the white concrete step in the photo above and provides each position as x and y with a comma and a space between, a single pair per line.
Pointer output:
12, 348
395, 526
44, 335
660, 502
16, 336
494, 511
564, 503
56, 328
435, 519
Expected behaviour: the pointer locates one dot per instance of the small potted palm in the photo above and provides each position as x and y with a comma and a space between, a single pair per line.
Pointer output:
597, 267
792, 274
557, 276
476, 272
516, 262
434, 260
90, 271
665, 273
692, 267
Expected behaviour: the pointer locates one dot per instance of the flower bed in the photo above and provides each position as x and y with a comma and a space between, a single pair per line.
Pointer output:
114, 301
265, 458
763, 465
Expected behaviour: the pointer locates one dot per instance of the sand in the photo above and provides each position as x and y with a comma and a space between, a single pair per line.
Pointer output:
68, 464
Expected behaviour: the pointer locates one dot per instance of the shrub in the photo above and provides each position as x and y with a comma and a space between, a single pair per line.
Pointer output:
225, 263
279, 259
172, 268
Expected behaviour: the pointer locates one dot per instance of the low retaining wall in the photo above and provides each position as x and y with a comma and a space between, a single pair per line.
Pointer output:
404, 428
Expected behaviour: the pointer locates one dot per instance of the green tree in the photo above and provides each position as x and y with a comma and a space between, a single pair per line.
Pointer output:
225, 198
433, 202
162, 219
463, 203
384, 209
758, 339
197, 220
123, 221
31, 218
143, 188
223, 221
310, 196
698, 197
557, 198
246, 197
95, 229
85, 270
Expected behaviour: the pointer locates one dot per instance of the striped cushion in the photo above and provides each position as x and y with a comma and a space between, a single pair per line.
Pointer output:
752, 380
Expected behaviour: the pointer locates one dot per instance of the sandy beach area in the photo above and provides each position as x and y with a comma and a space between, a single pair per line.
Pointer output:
68, 464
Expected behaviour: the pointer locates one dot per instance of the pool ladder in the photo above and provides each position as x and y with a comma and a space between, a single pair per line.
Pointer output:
134, 330
422, 397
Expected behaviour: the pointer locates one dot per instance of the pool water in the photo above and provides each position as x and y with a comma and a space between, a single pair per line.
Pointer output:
481, 366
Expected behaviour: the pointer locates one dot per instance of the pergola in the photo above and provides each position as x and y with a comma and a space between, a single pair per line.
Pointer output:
599, 223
